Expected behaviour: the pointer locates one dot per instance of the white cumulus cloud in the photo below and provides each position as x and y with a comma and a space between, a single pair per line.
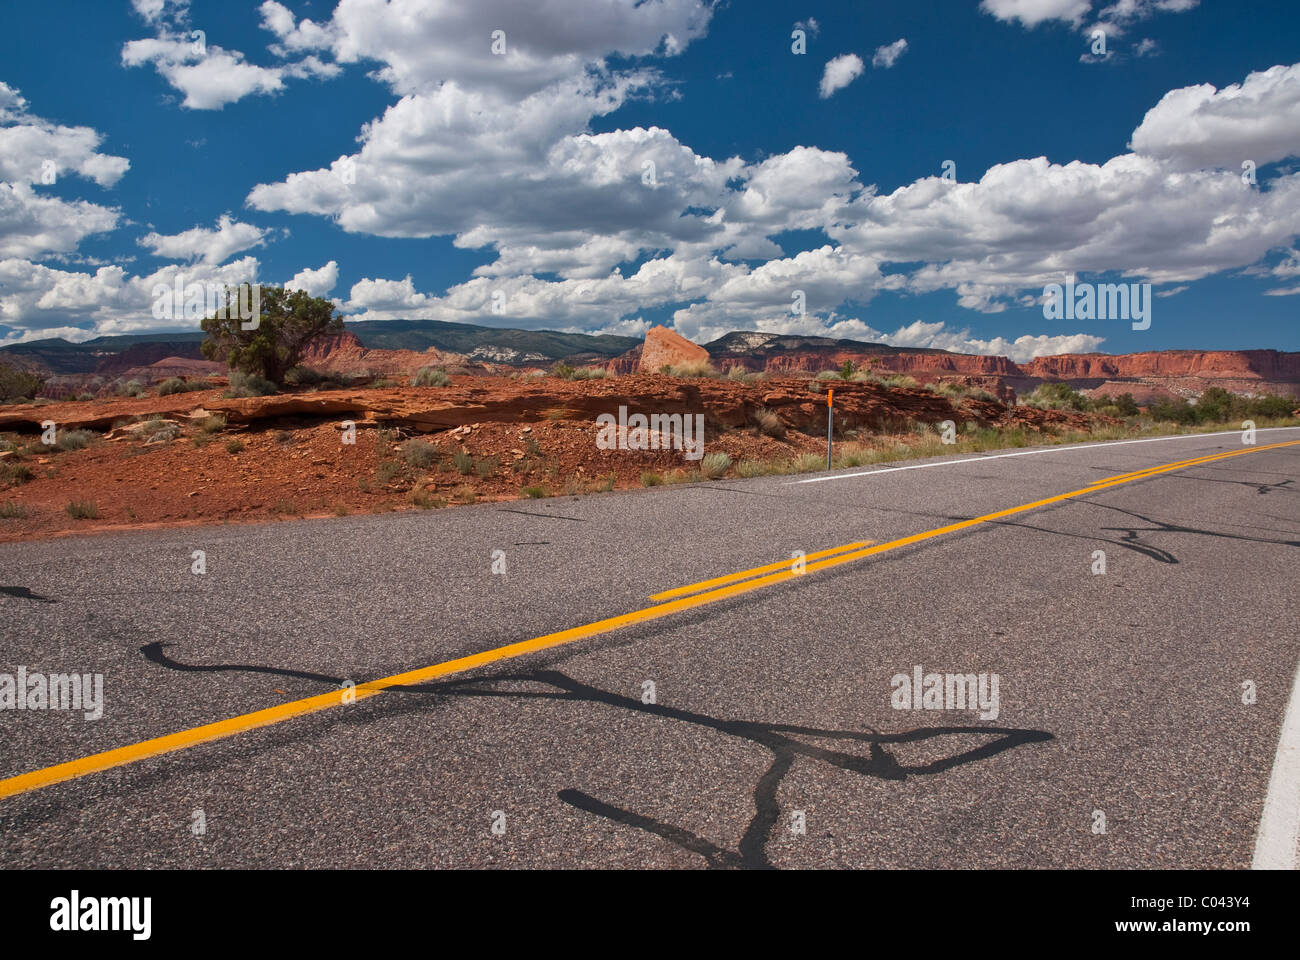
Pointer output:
1033, 12
209, 75
839, 73
1257, 120
316, 282
35, 154
204, 245
888, 55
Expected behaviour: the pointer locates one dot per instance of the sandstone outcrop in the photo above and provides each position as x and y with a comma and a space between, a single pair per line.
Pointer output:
169, 367
663, 348
345, 353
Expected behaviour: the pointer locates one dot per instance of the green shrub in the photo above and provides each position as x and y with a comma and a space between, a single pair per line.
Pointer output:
157, 430
1173, 409
234, 446
177, 385
590, 373
133, 388
754, 468
741, 375
213, 423
651, 479
769, 423
463, 462
714, 465
301, 376
73, 439
1271, 405
535, 492
704, 369
946, 388
18, 385
1126, 405
249, 385
899, 380
15, 473
420, 454
423, 501
430, 377
10, 510
1057, 396
82, 509
487, 466
562, 370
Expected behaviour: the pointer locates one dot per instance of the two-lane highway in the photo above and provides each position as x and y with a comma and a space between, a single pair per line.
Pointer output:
645, 679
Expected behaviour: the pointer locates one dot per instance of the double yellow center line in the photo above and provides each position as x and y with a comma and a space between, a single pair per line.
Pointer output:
674, 601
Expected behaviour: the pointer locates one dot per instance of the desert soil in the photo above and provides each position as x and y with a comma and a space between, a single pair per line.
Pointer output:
284, 457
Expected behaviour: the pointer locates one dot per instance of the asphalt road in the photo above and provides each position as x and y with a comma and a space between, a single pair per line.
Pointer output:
1120, 694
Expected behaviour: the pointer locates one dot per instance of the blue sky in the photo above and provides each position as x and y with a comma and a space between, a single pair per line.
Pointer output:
383, 155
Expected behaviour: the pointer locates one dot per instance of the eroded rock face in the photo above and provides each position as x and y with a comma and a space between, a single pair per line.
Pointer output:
629, 362
345, 353
1142, 393
176, 367
663, 348
1156, 373
147, 354
1213, 364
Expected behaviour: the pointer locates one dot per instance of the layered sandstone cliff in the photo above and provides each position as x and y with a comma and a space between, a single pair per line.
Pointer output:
345, 353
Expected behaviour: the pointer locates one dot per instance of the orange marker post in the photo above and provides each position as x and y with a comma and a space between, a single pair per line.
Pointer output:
830, 420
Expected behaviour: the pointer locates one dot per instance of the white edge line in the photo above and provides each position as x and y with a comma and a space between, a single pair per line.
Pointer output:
1026, 453
1279, 824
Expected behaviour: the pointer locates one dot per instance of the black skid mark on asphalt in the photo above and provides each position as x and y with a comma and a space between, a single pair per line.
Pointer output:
154, 653
1133, 534
25, 593
1155, 553
546, 516
778, 738
1269, 516
1283, 485
714, 855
